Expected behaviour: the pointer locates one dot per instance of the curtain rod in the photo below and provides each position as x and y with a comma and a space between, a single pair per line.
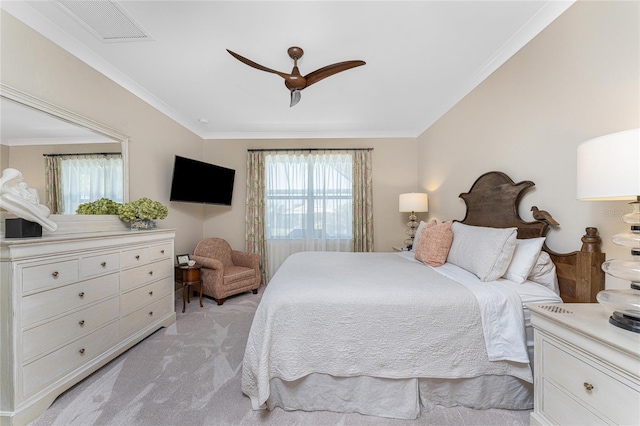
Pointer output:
311, 149
87, 153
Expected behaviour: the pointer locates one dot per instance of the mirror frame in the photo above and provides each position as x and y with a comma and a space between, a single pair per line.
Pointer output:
55, 111
76, 120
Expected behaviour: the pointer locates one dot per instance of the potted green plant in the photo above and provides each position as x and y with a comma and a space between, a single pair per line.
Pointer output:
142, 213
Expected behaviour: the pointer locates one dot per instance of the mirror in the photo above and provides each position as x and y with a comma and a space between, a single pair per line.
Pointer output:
32, 127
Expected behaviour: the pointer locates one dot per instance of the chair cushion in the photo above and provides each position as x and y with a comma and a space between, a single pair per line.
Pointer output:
233, 274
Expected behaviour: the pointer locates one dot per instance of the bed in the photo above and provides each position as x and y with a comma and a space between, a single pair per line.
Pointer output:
385, 334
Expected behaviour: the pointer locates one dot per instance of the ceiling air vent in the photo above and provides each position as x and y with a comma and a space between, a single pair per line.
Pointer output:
107, 20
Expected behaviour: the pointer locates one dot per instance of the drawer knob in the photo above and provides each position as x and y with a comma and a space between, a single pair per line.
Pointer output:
138, 257
151, 313
588, 386
81, 294
81, 351
103, 264
151, 293
161, 251
81, 323
55, 274
150, 272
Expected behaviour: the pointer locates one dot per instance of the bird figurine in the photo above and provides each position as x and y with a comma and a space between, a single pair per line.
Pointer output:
543, 216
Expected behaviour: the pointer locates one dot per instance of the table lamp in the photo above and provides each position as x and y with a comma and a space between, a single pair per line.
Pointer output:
608, 168
413, 202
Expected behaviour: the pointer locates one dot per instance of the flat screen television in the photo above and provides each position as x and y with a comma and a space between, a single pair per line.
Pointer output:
199, 182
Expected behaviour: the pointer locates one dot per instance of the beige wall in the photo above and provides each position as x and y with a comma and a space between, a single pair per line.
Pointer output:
576, 80
40, 68
393, 173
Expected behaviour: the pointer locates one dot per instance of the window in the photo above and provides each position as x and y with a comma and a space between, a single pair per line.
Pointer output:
308, 201
86, 178
308, 196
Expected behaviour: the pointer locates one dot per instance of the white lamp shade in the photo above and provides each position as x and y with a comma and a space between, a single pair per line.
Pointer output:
414, 202
609, 167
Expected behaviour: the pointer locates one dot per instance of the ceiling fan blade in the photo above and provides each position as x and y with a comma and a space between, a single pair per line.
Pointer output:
295, 97
330, 70
255, 65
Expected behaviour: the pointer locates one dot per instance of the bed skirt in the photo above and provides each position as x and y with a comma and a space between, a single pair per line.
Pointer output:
397, 398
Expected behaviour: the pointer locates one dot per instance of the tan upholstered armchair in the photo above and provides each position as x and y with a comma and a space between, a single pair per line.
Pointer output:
226, 272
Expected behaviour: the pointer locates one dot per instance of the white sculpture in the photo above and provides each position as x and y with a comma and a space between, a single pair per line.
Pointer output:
16, 197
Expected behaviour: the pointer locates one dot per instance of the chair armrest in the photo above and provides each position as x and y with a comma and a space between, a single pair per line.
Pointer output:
207, 262
246, 259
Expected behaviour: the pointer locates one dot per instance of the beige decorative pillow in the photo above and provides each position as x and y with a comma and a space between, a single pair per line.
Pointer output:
485, 252
434, 244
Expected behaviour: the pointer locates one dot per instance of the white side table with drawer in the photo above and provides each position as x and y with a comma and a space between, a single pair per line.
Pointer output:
587, 371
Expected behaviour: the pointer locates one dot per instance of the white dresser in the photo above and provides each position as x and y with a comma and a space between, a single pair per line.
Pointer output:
71, 303
587, 371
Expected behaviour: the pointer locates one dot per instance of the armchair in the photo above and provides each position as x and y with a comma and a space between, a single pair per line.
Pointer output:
225, 271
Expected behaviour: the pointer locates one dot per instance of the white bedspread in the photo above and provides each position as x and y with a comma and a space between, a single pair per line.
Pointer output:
365, 314
500, 309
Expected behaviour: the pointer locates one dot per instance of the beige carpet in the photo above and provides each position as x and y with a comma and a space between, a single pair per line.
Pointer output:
189, 374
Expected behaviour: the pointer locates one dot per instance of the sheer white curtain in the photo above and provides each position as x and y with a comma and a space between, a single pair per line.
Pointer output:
308, 204
89, 178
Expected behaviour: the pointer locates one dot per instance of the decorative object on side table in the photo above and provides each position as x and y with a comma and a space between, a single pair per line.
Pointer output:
413, 202
16, 197
609, 169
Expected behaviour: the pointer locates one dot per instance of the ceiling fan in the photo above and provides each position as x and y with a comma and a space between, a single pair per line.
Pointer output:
296, 82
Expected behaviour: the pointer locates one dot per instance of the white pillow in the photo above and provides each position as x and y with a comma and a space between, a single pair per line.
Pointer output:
485, 252
524, 258
544, 272
419, 230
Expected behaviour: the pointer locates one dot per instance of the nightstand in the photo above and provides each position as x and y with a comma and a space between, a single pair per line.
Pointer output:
187, 276
587, 371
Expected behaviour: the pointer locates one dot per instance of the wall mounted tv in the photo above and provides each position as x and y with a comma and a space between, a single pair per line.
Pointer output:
198, 182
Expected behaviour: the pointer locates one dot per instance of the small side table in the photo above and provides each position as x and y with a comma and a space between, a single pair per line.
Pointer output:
187, 276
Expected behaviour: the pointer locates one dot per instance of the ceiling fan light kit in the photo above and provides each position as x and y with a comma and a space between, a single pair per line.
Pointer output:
294, 81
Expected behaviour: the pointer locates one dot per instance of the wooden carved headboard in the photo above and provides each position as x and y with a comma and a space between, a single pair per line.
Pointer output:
493, 201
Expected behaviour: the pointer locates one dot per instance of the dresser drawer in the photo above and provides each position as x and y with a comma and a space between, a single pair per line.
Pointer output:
45, 370
574, 374
564, 410
134, 257
160, 251
40, 306
135, 277
142, 296
100, 264
58, 332
145, 316
49, 275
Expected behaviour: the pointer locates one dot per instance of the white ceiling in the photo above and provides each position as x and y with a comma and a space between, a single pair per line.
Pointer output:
422, 58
